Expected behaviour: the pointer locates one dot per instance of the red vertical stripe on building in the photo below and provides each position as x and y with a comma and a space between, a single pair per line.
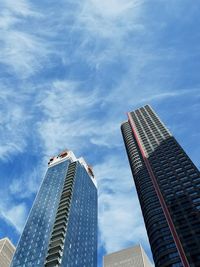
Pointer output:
160, 196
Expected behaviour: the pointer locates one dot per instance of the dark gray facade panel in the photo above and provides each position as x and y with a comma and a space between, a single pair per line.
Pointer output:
178, 180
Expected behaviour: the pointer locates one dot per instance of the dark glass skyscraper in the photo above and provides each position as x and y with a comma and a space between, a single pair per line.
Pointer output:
168, 186
61, 230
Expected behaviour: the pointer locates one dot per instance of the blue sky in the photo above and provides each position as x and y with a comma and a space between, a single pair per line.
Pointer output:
69, 73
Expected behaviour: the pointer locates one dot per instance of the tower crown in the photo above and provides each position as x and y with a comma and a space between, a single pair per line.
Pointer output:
69, 155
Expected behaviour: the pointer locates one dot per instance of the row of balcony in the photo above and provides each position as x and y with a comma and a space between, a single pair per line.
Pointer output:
56, 245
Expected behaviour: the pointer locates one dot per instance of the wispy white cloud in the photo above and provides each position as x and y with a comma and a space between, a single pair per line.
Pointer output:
14, 214
109, 19
62, 125
120, 218
112, 9
22, 51
68, 119
100, 29
26, 185
20, 7
13, 125
64, 97
165, 94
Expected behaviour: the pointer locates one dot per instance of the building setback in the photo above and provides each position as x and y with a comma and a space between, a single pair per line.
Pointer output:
168, 187
129, 257
61, 230
7, 250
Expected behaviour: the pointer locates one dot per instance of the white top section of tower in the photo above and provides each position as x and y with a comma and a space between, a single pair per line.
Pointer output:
69, 155
88, 169
63, 156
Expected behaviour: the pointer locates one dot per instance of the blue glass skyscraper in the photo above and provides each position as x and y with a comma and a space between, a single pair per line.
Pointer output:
61, 230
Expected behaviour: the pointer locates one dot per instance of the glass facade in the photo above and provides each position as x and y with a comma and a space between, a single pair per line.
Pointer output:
79, 230
81, 243
168, 185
